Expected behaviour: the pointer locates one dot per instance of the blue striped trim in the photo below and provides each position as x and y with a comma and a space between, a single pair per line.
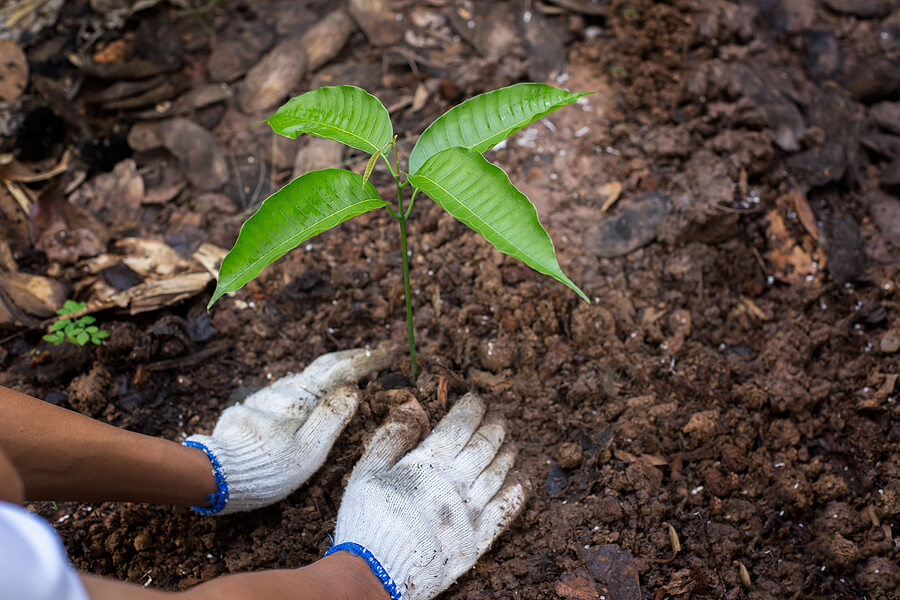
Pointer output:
218, 499
389, 586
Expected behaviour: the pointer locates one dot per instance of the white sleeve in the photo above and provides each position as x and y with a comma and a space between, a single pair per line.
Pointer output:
33, 562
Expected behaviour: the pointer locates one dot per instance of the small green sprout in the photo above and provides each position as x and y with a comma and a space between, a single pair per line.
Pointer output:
78, 331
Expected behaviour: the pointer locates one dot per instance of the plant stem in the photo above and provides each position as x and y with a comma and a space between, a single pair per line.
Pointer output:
414, 367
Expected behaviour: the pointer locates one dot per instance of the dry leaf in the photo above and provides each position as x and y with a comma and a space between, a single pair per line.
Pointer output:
805, 213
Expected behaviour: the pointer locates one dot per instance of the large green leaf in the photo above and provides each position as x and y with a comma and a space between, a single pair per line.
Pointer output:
481, 122
480, 195
305, 207
343, 113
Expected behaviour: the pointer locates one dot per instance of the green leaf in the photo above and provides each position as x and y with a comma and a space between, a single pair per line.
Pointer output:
56, 338
305, 207
61, 324
92, 329
481, 122
343, 113
86, 320
70, 329
70, 306
82, 338
480, 195
370, 166
101, 335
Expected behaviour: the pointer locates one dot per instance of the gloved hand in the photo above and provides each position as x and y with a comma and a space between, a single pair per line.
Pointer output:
424, 519
267, 447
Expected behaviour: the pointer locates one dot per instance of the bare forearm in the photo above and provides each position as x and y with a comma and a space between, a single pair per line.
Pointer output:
341, 576
63, 455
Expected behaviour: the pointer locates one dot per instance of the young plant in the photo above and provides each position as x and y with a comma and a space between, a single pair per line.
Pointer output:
446, 164
79, 331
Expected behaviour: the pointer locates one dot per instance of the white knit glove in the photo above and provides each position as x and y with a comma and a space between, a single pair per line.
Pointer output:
267, 447
424, 519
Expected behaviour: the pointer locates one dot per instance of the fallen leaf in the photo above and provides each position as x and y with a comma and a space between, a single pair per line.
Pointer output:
15, 71
114, 197
805, 213
151, 258
63, 231
16, 171
34, 294
789, 260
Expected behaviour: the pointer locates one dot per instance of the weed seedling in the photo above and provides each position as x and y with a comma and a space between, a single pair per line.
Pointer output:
78, 331
446, 164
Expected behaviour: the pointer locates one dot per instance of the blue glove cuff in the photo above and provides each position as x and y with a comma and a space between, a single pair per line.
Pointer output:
218, 499
389, 586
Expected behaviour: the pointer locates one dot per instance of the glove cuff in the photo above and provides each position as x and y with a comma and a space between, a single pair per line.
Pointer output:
219, 498
389, 586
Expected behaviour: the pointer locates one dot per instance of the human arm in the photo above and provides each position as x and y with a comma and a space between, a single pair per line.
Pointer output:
64, 455
258, 453
341, 576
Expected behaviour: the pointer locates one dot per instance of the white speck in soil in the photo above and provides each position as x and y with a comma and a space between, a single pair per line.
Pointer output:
582, 131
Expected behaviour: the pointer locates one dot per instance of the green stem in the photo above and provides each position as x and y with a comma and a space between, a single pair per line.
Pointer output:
414, 367
411, 202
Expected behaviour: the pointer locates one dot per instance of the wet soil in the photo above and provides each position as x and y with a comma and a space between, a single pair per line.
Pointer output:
730, 389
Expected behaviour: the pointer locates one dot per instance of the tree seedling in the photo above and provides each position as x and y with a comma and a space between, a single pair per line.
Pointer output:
446, 164
78, 331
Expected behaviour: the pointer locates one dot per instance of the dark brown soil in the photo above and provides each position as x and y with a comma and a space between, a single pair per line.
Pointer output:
733, 381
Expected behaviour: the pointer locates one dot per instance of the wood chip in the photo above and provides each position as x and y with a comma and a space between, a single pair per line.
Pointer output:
22, 196
745, 575
755, 310
608, 194
673, 538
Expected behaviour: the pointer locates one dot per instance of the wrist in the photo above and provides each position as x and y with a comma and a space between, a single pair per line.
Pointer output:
214, 500
355, 572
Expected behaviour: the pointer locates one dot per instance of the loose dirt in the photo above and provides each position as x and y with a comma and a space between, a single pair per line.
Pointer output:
730, 391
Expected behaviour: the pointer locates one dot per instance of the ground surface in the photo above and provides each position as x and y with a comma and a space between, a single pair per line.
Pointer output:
731, 387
